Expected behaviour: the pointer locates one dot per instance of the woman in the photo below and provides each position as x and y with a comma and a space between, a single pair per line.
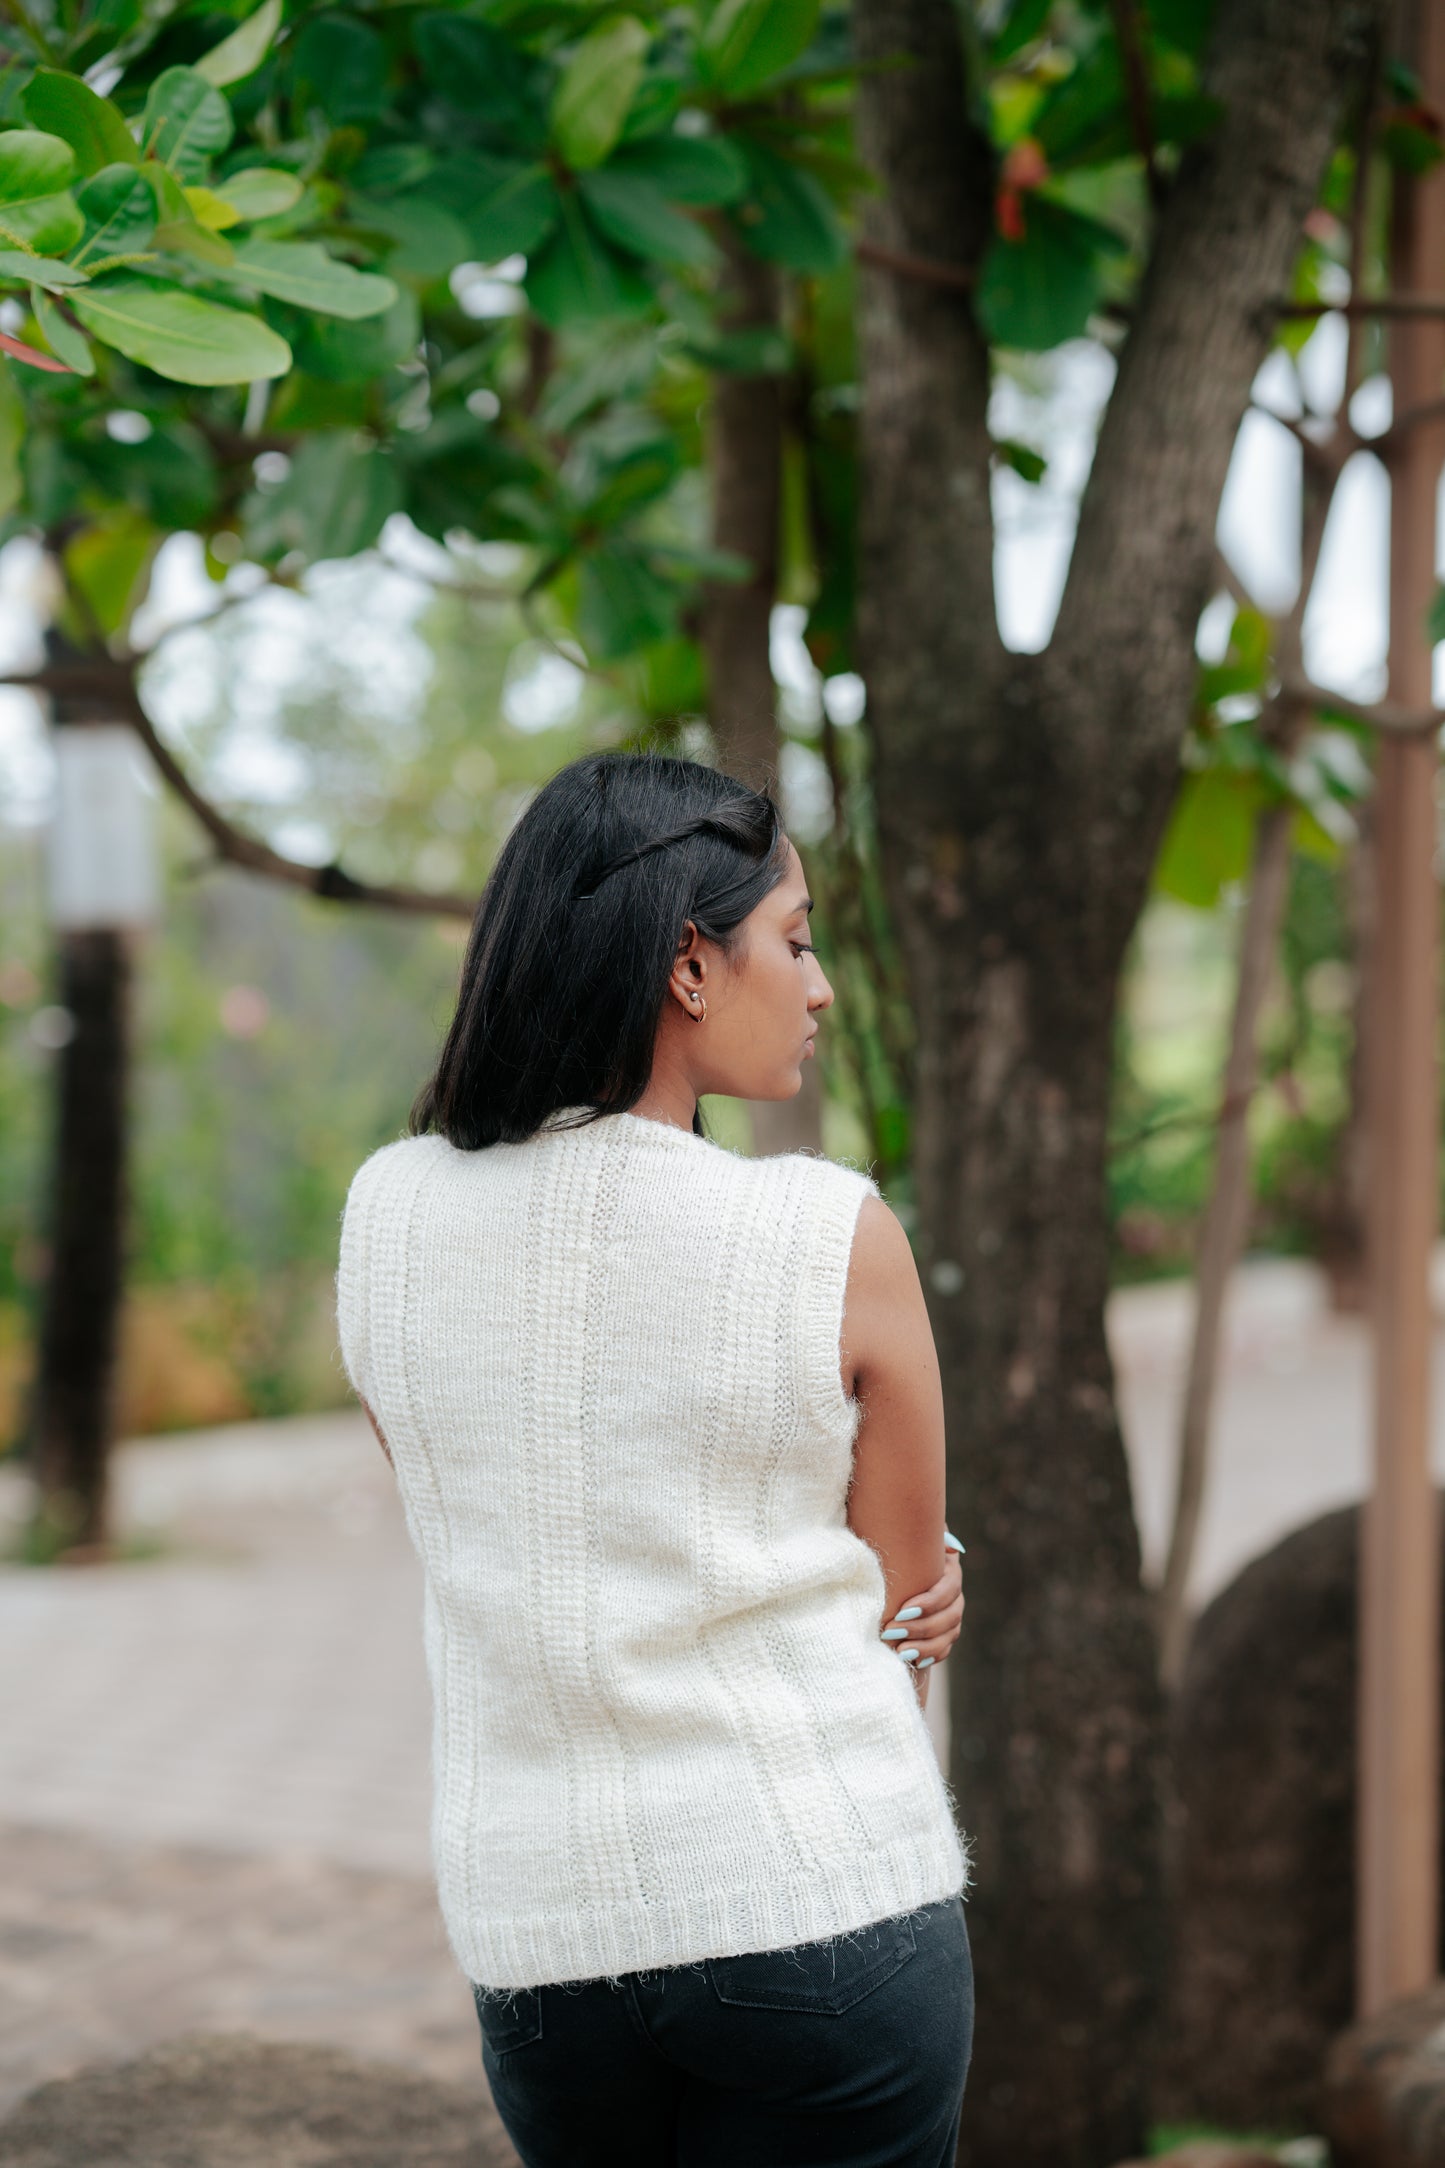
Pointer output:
667, 1426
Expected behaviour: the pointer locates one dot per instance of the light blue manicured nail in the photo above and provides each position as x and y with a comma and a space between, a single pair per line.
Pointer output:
910, 1656
895, 1633
915, 1610
925, 1661
951, 1542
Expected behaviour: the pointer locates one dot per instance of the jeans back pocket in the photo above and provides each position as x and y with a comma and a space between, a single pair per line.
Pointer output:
827, 1977
509, 2018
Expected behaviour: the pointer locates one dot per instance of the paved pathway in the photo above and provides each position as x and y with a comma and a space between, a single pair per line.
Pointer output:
214, 1781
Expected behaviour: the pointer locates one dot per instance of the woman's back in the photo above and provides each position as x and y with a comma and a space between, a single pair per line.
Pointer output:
606, 1362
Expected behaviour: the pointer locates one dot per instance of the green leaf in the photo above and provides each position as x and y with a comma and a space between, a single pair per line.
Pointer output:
1029, 465
388, 169
1248, 662
636, 215
753, 350
453, 469
577, 277
1435, 618
1085, 119
33, 165
597, 86
427, 240
334, 502
477, 69
700, 170
1035, 293
506, 208
349, 352
187, 122
786, 217
178, 226
303, 274
92, 126
12, 437
210, 210
60, 335
1410, 147
1184, 24
170, 475
1210, 838
1025, 21
107, 562
180, 335
119, 206
50, 224
18, 269
259, 191
745, 43
243, 51
344, 65
621, 605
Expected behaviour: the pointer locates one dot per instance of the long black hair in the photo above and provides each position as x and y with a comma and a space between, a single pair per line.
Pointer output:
566, 969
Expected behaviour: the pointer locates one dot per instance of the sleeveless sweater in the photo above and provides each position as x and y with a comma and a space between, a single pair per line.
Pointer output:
606, 1362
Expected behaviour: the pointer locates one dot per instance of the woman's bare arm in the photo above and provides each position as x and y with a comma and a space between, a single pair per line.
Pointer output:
896, 1501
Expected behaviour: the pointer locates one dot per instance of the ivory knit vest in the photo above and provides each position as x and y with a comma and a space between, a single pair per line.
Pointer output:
607, 1364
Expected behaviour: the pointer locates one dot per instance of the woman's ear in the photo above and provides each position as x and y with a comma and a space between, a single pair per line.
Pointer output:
688, 977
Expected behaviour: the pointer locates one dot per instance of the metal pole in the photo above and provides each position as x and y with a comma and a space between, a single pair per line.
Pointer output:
1399, 1687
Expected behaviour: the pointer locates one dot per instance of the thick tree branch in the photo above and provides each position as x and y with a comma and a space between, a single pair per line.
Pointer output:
111, 689
1282, 70
926, 526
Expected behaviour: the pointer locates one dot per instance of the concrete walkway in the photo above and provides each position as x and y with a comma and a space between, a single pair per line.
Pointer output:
214, 1779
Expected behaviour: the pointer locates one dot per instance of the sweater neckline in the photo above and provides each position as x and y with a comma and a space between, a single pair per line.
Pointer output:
643, 1125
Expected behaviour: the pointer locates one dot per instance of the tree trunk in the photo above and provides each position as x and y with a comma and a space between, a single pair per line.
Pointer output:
1020, 802
79, 1332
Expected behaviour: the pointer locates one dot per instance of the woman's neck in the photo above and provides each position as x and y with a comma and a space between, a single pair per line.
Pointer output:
667, 1099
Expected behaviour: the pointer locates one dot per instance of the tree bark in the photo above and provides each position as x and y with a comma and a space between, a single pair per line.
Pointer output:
74, 1392
1020, 803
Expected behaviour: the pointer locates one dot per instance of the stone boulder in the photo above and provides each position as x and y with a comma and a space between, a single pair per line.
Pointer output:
1263, 1844
1384, 2089
228, 2100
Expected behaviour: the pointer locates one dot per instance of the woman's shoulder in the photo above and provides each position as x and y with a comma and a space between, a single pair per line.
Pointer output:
834, 1199
400, 1159
826, 1179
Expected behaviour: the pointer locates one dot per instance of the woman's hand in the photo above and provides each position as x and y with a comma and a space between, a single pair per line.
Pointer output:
924, 1629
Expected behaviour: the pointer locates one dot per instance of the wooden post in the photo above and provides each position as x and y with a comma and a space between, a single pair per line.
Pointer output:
1398, 1834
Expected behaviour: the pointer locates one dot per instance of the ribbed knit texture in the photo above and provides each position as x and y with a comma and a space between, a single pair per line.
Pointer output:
607, 1364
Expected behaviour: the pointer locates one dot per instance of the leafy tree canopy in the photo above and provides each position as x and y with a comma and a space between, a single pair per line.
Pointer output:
473, 263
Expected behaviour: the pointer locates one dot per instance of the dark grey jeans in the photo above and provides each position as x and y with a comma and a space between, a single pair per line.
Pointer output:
850, 2053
